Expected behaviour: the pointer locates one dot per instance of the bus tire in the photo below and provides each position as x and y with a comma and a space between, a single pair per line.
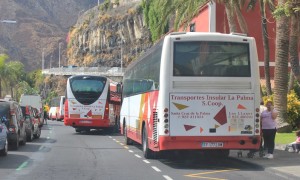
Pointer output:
128, 141
77, 130
148, 154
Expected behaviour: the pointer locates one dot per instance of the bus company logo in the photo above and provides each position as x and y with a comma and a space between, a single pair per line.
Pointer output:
180, 106
241, 107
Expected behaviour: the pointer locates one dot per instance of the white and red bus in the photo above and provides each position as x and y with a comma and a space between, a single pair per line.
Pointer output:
91, 102
193, 91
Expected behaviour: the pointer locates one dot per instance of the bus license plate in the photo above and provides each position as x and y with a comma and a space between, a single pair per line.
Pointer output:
212, 144
85, 121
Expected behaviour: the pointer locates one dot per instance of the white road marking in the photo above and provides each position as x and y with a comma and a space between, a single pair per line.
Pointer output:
114, 139
122, 144
167, 177
109, 136
138, 156
130, 151
156, 169
146, 161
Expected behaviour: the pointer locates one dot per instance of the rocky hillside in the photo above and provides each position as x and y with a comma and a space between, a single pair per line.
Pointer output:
102, 37
40, 25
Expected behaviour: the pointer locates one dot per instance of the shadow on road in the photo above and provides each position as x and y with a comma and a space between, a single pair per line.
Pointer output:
100, 132
12, 161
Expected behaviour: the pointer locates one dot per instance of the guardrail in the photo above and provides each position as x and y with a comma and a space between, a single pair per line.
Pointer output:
102, 71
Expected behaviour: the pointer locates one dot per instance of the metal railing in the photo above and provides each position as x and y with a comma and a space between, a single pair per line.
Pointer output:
100, 71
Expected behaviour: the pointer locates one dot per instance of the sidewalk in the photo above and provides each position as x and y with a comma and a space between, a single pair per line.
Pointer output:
285, 163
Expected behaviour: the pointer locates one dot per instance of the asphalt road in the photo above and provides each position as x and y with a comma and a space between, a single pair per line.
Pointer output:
62, 154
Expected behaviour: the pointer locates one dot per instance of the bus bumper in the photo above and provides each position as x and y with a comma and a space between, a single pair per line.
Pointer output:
89, 123
228, 142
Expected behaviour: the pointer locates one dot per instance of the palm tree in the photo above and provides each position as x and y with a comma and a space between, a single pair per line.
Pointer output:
281, 68
266, 44
294, 39
14, 73
3, 58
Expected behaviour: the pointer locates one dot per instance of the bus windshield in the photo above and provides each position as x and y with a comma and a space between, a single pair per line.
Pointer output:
211, 59
87, 89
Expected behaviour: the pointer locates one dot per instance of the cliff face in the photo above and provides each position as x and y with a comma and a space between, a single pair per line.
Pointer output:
40, 25
103, 38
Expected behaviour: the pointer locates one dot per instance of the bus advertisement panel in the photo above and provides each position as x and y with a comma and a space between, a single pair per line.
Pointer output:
195, 91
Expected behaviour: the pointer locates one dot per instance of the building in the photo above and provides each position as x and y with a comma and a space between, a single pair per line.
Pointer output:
212, 18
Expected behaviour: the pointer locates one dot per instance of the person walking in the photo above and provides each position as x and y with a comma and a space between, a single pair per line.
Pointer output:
46, 110
268, 119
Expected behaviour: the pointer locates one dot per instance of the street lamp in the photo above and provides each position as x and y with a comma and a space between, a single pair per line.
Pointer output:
43, 59
51, 61
121, 43
59, 48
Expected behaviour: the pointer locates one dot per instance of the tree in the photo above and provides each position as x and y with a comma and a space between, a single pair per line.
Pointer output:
294, 38
158, 13
266, 44
3, 58
281, 67
14, 73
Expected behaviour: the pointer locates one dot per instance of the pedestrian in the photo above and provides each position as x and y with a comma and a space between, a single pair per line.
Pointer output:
296, 144
46, 109
268, 119
262, 107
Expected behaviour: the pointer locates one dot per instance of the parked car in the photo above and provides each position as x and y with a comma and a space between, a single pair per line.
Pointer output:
29, 121
3, 138
37, 123
34, 101
11, 112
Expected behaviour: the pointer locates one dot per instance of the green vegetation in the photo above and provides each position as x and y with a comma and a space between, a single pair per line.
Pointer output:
285, 138
159, 14
15, 81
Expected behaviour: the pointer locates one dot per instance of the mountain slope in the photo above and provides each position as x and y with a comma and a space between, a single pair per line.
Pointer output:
40, 25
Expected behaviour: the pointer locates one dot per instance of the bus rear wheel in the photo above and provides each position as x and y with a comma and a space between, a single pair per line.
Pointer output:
128, 141
148, 153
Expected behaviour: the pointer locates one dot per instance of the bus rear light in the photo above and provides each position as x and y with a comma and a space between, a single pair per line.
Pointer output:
257, 131
257, 115
166, 120
257, 125
257, 110
166, 126
166, 115
166, 110
257, 120
166, 131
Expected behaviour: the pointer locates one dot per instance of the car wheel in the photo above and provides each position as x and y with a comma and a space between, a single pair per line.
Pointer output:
4, 151
15, 144
30, 136
23, 142
38, 134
